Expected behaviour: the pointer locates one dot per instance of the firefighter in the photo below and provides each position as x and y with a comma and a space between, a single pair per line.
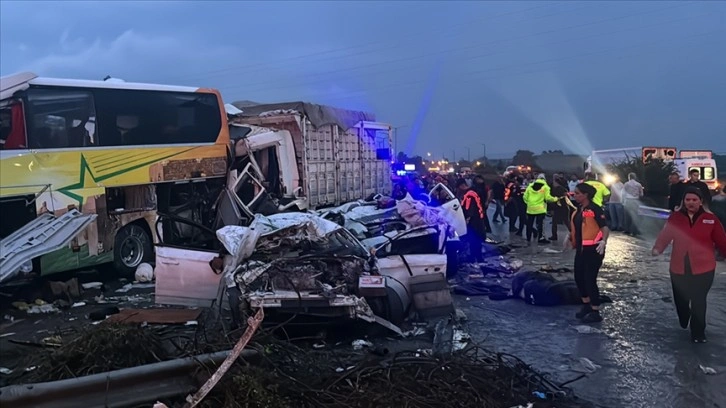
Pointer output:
536, 197
474, 213
601, 191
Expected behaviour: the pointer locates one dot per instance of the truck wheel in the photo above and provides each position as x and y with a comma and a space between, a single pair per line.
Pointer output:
132, 247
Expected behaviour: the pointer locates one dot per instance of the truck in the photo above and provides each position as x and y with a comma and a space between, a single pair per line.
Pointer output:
322, 156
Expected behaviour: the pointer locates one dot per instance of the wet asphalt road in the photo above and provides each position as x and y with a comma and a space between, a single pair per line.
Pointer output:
645, 358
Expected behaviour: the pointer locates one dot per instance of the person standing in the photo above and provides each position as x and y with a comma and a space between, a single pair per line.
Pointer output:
694, 232
498, 199
632, 194
694, 180
560, 209
485, 197
675, 191
615, 206
474, 214
536, 197
573, 183
512, 192
602, 191
588, 236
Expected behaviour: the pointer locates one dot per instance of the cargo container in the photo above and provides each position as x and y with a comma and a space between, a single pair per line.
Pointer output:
340, 155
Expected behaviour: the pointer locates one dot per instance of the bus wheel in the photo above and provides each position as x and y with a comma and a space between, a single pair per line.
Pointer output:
132, 247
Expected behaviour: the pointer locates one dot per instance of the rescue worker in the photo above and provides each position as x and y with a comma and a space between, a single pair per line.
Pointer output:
485, 196
536, 197
474, 214
602, 192
694, 232
588, 236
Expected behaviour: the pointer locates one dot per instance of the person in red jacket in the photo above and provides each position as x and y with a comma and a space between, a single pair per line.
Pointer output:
694, 233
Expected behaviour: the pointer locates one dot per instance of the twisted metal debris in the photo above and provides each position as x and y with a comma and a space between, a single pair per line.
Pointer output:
474, 378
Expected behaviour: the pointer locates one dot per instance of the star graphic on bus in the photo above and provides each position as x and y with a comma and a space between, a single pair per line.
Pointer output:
86, 187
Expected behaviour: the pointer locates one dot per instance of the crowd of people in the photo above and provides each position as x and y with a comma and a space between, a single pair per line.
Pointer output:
523, 201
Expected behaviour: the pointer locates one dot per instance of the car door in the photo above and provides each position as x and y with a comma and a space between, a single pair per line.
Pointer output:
184, 275
450, 207
415, 252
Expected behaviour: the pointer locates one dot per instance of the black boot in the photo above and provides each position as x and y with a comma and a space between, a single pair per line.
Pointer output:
592, 317
583, 311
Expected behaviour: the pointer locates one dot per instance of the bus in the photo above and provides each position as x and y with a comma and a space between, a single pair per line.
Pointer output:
86, 165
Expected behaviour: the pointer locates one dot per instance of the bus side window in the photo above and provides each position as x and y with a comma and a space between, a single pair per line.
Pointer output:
12, 127
140, 117
60, 118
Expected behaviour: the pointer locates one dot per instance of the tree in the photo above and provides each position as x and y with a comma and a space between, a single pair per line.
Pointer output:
523, 158
401, 157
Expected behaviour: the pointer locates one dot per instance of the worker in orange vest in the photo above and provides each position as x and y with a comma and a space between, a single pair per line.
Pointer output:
474, 213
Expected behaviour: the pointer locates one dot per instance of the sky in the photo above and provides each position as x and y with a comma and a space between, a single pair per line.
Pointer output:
456, 79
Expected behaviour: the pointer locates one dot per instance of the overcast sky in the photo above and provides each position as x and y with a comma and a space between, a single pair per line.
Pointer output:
451, 76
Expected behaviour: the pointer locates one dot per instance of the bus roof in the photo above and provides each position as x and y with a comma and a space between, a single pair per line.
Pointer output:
18, 82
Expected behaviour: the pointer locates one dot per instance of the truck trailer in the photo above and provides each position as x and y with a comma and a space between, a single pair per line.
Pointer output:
333, 155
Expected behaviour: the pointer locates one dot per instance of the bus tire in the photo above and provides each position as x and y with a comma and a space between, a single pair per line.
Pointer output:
132, 247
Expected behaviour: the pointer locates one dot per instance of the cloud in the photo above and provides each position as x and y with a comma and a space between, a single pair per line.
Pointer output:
132, 56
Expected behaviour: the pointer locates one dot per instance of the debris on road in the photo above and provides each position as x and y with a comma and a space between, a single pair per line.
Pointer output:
584, 329
154, 316
707, 370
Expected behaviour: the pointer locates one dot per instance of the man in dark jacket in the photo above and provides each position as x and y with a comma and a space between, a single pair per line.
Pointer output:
514, 207
675, 194
560, 209
694, 180
485, 196
498, 199
474, 214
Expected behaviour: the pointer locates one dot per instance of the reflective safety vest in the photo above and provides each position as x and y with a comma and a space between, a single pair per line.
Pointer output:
591, 233
467, 200
537, 200
508, 191
601, 192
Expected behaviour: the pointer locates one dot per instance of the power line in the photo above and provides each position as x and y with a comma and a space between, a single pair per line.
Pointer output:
465, 80
428, 55
395, 87
362, 45
478, 56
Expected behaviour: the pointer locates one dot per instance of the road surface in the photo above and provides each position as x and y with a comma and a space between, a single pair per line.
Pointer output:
645, 358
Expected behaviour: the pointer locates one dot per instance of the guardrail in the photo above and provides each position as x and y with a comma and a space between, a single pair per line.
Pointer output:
128, 387
654, 212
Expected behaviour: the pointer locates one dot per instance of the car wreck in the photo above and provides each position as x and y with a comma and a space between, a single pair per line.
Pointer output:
294, 264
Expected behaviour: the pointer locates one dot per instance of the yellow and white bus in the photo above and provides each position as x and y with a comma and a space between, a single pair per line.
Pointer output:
86, 165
